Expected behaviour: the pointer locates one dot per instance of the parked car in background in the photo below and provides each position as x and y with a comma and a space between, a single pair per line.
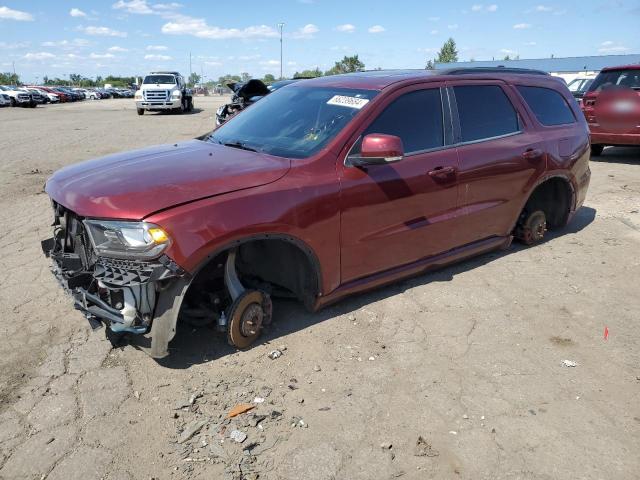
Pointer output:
90, 94
579, 86
17, 96
63, 97
322, 189
36, 96
5, 100
49, 97
244, 94
612, 108
247, 93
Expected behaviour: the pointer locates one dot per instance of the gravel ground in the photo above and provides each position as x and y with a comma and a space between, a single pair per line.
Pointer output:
455, 374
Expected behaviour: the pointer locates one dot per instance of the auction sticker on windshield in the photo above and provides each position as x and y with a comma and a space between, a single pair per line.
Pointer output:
345, 101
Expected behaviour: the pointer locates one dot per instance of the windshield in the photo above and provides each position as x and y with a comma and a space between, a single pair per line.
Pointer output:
293, 122
160, 79
616, 78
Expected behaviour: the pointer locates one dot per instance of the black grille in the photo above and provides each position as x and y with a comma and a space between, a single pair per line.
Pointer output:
125, 272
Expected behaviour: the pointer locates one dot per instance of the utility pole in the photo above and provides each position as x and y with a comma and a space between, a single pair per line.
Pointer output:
280, 27
190, 69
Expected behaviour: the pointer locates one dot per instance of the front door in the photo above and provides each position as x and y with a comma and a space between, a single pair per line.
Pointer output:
396, 214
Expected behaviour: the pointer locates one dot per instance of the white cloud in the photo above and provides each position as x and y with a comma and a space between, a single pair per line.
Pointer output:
167, 6
270, 63
39, 56
433, 32
213, 64
7, 13
479, 7
291, 64
531, 44
157, 57
134, 6
246, 58
346, 28
184, 25
157, 48
453, 26
610, 47
14, 46
376, 29
306, 32
521, 26
434, 19
97, 56
543, 8
66, 44
117, 49
102, 31
76, 12
508, 51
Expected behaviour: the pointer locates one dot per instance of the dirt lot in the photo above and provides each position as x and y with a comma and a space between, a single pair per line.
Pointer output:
469, 358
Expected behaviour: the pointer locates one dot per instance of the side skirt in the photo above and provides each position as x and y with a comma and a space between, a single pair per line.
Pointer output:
421, 266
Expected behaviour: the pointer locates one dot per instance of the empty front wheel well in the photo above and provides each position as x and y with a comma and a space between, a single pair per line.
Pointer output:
554, 197
278, 265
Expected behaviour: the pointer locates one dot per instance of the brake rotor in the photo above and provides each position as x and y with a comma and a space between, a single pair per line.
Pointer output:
247, 314
534, 228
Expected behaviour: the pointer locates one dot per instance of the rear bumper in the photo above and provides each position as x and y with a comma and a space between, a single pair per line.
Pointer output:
605, 138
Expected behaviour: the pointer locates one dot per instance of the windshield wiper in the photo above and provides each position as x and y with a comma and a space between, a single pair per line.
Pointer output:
239, 145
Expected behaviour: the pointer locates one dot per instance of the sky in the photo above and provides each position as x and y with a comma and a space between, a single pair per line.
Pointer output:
133, 37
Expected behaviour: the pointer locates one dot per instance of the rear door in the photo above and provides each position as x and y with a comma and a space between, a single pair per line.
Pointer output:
396, 214
500, 154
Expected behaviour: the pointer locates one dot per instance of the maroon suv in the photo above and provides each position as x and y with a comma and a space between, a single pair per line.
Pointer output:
324, 188
612, 107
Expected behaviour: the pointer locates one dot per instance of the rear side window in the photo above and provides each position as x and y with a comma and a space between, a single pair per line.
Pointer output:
549, 107
416, 118
484, 112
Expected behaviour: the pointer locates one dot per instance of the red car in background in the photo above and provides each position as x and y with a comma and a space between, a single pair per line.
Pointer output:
63, 96
612, 108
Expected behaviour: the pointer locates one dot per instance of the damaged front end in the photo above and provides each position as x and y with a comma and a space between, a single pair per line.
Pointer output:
116, 273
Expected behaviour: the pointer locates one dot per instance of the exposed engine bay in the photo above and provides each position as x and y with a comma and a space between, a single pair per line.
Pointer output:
122, 292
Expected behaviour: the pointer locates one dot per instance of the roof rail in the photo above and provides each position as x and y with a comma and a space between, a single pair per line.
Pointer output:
480, 70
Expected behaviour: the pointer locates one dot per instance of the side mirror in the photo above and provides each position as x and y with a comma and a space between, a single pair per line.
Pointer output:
379, 149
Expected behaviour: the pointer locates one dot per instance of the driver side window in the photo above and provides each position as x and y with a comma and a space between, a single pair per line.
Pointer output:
415, 117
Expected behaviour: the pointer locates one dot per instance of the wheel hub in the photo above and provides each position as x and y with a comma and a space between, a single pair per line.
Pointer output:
251, 320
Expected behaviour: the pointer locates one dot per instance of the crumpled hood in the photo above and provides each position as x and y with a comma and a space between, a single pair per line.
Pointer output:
132, 185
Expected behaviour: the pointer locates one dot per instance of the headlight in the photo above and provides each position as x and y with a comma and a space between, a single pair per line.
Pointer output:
138, 94
139, 240
176, 93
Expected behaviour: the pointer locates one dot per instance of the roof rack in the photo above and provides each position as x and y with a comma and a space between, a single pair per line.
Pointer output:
499, 69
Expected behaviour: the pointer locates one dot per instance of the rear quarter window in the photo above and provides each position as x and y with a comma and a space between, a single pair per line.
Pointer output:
549, 106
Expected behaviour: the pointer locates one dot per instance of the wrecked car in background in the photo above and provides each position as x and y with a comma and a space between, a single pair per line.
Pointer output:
325, 188
247, 93
244, 94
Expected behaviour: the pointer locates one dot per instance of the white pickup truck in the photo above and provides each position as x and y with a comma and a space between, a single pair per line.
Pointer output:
164, 91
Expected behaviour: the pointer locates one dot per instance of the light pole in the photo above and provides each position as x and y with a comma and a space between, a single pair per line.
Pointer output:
280, 27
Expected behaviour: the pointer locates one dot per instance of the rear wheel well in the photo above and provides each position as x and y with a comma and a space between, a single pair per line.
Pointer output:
281, 267
554, 197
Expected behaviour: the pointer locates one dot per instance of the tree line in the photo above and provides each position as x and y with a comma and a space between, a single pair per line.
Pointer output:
448, 53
